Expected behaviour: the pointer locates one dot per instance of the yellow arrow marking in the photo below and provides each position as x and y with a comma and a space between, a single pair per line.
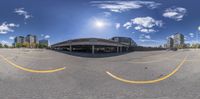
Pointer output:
30, 70
148, 81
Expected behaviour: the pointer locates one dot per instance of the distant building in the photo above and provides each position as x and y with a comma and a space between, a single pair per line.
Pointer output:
187, 45
44, 42
170, 42
31, 39
178, 40
19, 39
28, 41
165, 46
124, 40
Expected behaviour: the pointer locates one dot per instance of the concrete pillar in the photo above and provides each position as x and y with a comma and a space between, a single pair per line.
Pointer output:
70, 48
93, 49
117, 49
120, 49
127, 49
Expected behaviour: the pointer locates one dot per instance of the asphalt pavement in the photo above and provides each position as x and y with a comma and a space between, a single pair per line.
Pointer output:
47, 74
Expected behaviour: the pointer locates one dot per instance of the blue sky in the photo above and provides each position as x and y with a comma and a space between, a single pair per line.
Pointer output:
147, 22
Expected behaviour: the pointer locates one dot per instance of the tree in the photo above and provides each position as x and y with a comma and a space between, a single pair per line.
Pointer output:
37, 45
43, 46
32, 45
26, 45
1, 46
6, 46
18, 45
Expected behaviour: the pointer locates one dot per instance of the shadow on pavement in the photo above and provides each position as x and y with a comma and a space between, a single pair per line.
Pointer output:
90, 55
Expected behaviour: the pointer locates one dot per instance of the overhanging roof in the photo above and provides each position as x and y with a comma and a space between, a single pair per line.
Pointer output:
88, 41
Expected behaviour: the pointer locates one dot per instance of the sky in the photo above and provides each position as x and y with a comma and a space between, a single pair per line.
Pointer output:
147, 22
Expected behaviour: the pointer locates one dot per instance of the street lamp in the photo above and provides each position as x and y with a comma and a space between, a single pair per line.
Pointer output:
197, 37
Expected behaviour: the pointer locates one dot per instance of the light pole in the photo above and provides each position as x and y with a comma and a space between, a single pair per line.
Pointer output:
197, 39
197, 36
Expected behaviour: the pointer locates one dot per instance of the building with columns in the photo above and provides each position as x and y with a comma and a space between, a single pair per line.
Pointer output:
92, 45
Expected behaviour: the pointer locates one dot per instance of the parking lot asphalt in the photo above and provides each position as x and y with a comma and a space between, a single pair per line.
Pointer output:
47, 74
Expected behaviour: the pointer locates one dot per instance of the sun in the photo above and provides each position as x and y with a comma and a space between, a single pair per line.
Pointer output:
99, 24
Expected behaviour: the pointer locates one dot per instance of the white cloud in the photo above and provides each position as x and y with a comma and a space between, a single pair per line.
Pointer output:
117, 25
147, 30
138, 28
172, 36
176, 13
42, 35
191, 35
47, 36
127, 25
11, 37
122, 6
144, 24
141, 29
199, 28
107, 14
148, 39
144, 36
5, 27
185, 38
5, 43
147, 22
21, 11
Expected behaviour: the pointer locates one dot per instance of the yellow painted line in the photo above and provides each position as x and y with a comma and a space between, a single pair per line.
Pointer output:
31, 70
148, 81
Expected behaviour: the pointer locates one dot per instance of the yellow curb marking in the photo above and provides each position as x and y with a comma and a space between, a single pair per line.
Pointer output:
148, 81
31, 70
